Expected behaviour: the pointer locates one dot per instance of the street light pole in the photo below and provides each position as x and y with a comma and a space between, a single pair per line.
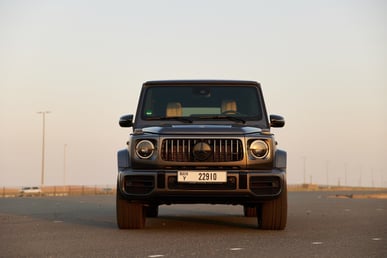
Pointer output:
327, 173
43, 144
304, 159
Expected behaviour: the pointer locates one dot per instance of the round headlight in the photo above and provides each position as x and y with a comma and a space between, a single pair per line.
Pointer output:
259, 149
144, 149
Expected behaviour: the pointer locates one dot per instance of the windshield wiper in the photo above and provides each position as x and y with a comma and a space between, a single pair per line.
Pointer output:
231, 118
178, 118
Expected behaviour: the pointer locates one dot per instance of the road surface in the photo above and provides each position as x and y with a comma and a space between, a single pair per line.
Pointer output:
85, 226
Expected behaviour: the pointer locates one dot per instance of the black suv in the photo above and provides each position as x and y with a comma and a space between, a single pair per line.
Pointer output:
201, 141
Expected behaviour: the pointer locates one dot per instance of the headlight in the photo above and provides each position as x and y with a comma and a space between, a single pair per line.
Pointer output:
144, 149
259, 149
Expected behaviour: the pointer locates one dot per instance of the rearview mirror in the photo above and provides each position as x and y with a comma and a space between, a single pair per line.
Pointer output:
126, 121
277, 121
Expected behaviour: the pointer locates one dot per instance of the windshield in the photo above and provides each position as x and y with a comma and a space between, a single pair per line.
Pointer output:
201, 102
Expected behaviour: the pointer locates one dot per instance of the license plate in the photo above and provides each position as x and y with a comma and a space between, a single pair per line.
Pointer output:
201, 176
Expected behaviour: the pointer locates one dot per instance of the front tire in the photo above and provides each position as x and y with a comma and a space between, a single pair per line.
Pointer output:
250, 211
272, 215
152, 211
129, 215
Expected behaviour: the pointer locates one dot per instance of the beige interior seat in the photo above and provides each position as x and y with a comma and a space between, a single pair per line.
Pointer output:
229, 107
173, 109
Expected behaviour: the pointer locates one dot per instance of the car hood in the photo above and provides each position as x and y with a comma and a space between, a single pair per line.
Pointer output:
200, 129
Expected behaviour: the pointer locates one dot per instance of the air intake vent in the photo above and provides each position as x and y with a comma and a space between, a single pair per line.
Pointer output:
139, 184
265, 185
202, 150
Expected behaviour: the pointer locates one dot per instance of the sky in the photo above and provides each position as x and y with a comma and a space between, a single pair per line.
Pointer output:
322, 65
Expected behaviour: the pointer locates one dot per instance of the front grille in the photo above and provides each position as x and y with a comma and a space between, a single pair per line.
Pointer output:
220, 150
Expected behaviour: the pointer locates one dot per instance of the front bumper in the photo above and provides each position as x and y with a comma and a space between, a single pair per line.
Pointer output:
162, 187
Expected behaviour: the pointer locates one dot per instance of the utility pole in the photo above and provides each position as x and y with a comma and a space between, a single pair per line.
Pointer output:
64, 164
43, 113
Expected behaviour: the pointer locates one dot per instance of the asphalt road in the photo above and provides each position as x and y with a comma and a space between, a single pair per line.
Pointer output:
318, 226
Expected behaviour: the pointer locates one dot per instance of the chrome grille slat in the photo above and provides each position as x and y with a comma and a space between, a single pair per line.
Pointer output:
173, 150
223, 150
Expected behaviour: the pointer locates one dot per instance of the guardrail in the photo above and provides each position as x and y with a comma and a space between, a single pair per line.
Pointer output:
73, 190
326, 188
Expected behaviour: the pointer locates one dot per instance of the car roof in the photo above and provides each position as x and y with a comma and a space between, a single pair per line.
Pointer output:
200, 82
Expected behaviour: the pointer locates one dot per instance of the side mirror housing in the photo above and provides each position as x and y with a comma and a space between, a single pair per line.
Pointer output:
277, 121
126, 121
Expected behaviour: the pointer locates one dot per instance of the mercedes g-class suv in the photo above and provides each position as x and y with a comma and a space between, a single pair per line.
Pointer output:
201, 141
